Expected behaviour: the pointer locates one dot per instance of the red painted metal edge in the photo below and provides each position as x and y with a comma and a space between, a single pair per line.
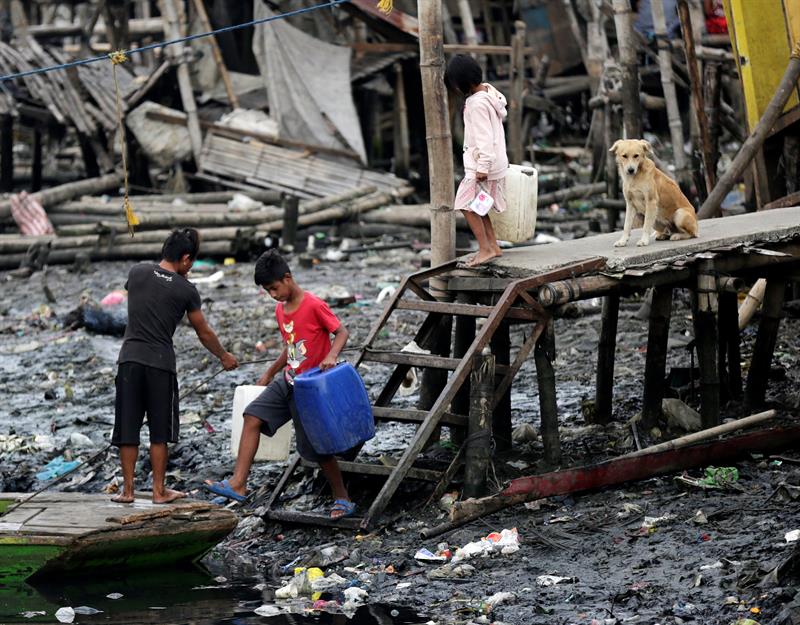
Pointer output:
623, 469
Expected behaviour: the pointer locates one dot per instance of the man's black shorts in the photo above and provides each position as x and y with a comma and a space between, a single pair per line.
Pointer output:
275, 407
145, 390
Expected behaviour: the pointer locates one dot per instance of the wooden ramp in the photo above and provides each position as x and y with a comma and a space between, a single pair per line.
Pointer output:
57, 532
522, 287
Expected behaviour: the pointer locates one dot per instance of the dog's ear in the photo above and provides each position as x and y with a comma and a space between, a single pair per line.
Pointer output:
613, 148
648, 149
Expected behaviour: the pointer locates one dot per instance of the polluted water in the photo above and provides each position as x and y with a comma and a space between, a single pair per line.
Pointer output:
170, 598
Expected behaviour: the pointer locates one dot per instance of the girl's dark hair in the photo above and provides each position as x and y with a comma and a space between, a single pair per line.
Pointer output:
180, 242
270, 266
462, 74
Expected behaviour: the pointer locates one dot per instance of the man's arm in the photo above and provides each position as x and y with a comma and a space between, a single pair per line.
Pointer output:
340, 336
274, 368
209, 339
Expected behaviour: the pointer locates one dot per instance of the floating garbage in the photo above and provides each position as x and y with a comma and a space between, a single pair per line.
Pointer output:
505, 542
551, 580
65, 615
267, 610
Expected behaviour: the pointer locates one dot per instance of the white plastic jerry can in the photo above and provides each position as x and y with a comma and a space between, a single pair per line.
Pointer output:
269, 447
518, 222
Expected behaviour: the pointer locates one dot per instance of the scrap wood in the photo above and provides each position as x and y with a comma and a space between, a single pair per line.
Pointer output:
193, 507
662, 459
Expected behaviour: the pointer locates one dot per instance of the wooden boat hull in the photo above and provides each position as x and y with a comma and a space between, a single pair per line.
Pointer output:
67, 532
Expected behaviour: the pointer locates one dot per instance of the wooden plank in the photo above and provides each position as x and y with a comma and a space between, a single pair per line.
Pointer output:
308, 518
383, 413
469, 310
362, 468
419, 360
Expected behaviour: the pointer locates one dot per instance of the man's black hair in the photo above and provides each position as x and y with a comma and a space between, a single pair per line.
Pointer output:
462, 74
180, 242
270, 266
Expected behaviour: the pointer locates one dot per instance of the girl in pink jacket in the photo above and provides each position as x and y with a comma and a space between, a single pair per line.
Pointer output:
485, 159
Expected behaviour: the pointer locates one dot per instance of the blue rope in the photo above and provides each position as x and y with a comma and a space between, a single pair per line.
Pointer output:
164, 44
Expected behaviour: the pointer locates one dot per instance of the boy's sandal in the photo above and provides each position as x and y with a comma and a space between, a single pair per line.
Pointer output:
223, 489
347, 508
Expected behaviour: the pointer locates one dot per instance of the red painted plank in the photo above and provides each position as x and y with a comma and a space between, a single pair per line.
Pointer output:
623, 469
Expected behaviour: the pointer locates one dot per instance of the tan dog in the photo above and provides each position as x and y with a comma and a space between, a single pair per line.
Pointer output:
652, 194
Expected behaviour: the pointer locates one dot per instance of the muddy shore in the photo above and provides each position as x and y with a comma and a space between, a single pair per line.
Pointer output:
55, 384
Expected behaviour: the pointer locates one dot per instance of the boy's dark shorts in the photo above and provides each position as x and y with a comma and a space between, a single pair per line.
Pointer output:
145, 390
275, 407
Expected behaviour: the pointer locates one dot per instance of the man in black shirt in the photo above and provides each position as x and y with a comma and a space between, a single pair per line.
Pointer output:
158, 297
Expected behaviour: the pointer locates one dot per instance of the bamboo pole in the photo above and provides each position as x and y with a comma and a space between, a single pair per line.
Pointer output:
747, 152
170, 11
402, 145
670, 94
217, 53
437, 124
515, 138
631, 108
698, 101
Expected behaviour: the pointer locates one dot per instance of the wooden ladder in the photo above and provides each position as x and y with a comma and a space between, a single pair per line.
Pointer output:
516, 303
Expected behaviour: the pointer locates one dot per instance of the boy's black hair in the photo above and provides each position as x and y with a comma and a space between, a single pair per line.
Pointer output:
462, 74
180, 242
270, 266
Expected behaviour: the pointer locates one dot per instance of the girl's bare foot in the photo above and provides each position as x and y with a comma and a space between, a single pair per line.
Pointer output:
168, 496
481, 258
123, 498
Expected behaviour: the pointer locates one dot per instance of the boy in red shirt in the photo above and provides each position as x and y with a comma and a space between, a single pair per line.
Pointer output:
306, 324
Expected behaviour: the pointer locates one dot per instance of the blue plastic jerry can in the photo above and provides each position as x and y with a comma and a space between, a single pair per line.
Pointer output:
334, 408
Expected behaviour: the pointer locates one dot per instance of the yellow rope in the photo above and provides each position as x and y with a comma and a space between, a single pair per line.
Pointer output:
385, 6
116, 58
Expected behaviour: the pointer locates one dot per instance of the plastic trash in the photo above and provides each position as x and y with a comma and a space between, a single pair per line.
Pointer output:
651, 522
56, 468
85, 610
713, 478
81, 441
426, 555
551, 580
329, 583
65, 615
267, 610
499, 598
505, 542
114, 298
115, 595
243, 203
793, 536
356, 595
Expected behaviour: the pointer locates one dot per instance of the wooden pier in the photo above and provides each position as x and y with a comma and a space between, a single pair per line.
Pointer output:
527, 285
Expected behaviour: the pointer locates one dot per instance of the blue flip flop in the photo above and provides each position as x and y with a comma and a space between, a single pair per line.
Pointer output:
223, 489
347, 507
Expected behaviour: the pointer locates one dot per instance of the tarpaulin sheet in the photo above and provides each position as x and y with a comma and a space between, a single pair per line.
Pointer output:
308, 85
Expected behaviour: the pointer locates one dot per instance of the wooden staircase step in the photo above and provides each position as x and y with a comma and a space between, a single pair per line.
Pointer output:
403, 415
311, 518
363, 468
467, 310
419, 360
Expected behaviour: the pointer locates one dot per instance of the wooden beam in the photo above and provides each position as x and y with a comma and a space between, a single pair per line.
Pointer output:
217, 53
544, 355
501, 398
758, 375
606, 358
478, 445
655, 365
704, 315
